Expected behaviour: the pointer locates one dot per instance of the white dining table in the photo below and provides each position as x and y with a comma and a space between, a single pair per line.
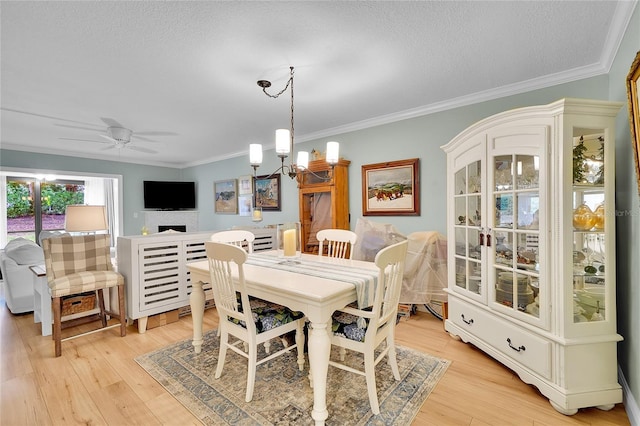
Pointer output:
315, 296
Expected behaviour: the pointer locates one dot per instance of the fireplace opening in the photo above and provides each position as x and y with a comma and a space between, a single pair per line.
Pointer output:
179, 228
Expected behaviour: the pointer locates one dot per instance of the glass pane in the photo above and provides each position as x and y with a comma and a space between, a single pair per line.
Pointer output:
461, 273
473, 215
589, 277
474, 244
460, 210
527, 171
504, 211
474, 178
503, 246
527, 252
461, 241
460, 183
503, 172
475, 280
528, 206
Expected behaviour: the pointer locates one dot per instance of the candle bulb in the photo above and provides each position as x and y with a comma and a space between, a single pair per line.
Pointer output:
289, 239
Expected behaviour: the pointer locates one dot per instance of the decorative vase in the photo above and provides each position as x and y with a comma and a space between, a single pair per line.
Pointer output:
583, 218
288, 241
599, 221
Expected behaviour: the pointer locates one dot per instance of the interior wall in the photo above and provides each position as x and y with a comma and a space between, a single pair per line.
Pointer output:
627, 222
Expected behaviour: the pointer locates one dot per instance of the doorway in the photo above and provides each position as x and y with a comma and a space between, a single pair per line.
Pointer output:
32, 202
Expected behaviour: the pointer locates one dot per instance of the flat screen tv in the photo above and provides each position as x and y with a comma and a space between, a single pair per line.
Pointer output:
169, 195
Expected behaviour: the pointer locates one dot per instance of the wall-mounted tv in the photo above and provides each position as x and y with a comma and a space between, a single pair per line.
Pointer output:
169, 195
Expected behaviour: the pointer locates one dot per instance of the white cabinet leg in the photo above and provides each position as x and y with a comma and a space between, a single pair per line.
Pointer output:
142, 324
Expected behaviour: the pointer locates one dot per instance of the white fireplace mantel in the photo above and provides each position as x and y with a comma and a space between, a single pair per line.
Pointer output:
154, 219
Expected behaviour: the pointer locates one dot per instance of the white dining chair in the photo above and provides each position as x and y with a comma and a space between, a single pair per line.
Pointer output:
338, 243
249, 321
240, 238
237, 237
380, 321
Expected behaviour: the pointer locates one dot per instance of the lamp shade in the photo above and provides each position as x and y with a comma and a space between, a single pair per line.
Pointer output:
283, 139
83, 218
255, 154
333, 149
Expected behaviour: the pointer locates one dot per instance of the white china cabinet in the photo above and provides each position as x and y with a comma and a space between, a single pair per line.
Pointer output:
532, 269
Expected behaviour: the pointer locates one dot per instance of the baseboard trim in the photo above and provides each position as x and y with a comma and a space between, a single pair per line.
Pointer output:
630, 404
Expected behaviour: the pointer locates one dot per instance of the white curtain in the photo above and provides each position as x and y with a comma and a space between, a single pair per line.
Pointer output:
102, 192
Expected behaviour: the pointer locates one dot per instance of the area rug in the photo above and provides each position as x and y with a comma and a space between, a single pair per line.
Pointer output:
282, 395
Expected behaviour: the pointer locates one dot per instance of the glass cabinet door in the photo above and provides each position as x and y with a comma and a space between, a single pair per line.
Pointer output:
468, 225
589, 229
513, 242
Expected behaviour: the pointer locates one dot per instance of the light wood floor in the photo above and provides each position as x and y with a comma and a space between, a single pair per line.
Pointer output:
97, 382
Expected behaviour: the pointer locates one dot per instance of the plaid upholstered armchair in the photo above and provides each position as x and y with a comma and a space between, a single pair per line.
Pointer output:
78, 264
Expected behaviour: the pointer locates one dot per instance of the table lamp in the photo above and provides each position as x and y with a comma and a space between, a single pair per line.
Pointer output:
84, 218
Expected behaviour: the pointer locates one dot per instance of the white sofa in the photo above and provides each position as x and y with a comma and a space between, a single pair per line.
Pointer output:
15, 260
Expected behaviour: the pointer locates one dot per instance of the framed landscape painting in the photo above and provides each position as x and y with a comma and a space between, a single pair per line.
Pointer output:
391, 188
268, 192
226, 196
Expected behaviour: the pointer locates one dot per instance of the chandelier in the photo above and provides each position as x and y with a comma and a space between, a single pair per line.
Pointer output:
284, 143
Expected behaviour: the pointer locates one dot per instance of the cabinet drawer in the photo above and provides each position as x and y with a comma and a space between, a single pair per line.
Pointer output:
521, 345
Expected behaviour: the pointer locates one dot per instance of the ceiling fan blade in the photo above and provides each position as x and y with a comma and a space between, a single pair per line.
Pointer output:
141, 149
111, 122
77, 127
156, 133
143, 138
109, 138
82, 140
108, 147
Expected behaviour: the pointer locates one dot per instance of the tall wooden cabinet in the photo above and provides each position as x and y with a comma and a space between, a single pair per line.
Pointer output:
531, 270
323, 200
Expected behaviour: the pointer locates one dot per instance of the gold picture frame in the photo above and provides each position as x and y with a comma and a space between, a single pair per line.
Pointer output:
391, 188
634, 112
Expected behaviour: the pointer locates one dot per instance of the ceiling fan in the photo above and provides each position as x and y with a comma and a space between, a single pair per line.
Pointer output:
118, 136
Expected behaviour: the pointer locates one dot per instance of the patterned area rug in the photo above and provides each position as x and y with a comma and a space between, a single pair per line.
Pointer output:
282, 395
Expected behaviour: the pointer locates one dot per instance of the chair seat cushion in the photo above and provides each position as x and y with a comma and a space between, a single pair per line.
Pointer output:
346, 325
84, 281
267, 315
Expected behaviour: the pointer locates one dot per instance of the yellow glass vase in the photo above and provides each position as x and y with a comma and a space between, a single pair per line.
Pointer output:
598, 224
583, 218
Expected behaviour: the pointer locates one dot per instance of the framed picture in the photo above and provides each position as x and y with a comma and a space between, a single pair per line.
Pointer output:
268, 192
391, 188
245, 185
634, 112
226, 196
244, 204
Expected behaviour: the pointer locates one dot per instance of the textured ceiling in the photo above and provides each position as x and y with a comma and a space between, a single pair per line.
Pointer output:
186, 72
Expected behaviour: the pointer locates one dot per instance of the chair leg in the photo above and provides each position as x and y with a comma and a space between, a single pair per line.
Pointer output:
251, 371
300, 344
123, 316
370, 374
222, 353
103, 312
57, 325
391, 359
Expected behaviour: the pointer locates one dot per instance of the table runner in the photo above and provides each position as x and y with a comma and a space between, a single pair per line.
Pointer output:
364, 279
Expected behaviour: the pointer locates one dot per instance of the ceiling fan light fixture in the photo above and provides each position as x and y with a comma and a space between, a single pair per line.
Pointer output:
120, 134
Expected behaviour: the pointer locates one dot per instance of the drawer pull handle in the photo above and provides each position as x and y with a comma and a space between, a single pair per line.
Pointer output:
465, 321
521, 348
